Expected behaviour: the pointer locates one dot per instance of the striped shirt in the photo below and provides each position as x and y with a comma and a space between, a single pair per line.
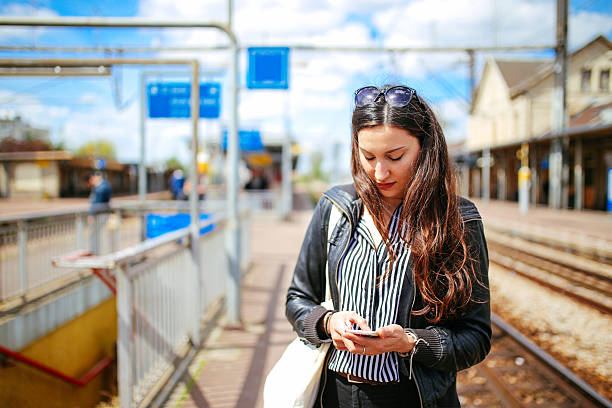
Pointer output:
365, 260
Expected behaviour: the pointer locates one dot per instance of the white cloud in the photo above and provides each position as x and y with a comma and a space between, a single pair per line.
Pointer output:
319, 99
453, 116
464, 22
88, 98
28, 33
261, 104
31, 109
104, 122
585, 26
164, 137
212, 10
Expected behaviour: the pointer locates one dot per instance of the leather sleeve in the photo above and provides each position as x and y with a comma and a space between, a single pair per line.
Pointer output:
306, 292
465, 342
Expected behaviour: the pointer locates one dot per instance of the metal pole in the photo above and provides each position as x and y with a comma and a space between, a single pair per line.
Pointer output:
125, 340
230, 13
535, 181
298, 47
194, 197
111, 22
524, 175
286, 163
486, 174
7, 181
554, 172
22, 238
562, 11
233, 153
465, 180
500, 177
142, 170
558, 170
90, 62
565, 172
80, 231
472, 76
578, 176
286, 170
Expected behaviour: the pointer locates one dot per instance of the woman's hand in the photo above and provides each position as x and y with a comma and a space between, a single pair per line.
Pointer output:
390, 338
337, 325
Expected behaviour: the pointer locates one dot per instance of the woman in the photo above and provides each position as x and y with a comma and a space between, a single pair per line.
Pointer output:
408, 260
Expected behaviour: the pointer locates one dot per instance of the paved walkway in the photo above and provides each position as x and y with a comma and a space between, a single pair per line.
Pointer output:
587, 223
231, 370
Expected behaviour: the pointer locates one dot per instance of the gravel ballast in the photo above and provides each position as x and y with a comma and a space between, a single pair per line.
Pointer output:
575, 334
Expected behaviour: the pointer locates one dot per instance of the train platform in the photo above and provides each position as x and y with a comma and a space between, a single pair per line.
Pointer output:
15, 207
587, 223
230, 370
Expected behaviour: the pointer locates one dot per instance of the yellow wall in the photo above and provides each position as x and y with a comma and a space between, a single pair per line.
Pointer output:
488, 124
72, 349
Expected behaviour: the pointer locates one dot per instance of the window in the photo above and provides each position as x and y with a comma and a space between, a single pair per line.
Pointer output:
585, 80
604, 80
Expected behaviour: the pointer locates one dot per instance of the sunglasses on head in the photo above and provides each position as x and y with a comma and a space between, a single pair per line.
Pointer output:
396, 96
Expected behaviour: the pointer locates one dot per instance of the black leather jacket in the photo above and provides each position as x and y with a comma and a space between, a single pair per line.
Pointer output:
451, 346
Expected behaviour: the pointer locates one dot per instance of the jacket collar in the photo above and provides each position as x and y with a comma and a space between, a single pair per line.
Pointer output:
345, 196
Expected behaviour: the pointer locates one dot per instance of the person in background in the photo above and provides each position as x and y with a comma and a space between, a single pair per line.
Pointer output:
187, 190
258, 180
407, 260
177, 181
99, 209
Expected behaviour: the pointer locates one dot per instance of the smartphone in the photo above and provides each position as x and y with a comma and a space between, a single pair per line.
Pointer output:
368, 333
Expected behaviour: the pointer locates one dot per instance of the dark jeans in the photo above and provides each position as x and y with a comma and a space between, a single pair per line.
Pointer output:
340, 393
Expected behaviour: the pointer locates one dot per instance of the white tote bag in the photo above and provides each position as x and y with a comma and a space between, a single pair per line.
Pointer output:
293, 382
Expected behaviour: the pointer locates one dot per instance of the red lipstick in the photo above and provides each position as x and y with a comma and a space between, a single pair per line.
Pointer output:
385, 186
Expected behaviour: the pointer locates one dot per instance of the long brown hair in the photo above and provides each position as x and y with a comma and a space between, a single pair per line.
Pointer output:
443, 269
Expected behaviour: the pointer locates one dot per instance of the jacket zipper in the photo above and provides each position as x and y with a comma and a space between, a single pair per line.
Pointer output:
416, 382
336, 280
327, 357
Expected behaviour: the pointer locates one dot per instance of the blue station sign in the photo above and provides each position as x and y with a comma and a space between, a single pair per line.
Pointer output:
250, 140
172, 100
268, 68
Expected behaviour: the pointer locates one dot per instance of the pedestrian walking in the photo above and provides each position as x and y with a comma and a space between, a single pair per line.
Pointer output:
407, 266
99, 209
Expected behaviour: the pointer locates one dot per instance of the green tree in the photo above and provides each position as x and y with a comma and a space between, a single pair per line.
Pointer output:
98, 148
174, 163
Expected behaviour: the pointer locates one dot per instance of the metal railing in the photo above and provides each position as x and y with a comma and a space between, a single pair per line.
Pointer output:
264, 200
28, 243
162, 295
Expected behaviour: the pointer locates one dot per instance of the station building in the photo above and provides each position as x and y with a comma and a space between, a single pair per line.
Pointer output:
261, 153
512, 108
31, 168
57, 173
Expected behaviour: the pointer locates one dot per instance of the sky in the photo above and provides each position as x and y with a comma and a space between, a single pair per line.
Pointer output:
317, 107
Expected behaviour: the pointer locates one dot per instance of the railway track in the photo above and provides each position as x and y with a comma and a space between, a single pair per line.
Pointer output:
586, 280
517, 373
